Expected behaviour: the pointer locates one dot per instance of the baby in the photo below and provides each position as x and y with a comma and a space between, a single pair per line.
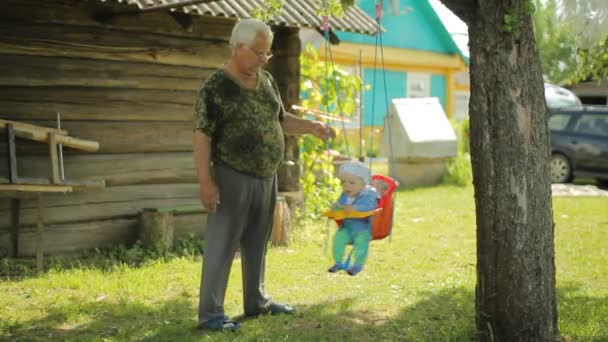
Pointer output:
357, 197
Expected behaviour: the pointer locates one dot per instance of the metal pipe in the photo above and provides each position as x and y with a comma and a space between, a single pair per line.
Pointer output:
60, 148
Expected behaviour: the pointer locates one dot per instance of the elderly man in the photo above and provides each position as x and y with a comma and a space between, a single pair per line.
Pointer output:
238, 146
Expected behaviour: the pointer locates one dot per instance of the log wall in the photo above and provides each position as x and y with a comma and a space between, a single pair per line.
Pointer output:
128, 82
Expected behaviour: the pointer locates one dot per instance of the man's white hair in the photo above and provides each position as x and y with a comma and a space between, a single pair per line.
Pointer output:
245, 31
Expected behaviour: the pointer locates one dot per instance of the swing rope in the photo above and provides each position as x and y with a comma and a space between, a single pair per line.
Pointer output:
379, 6
328, 53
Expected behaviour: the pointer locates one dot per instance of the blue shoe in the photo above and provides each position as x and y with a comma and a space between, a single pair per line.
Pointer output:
336, 267
222, 323
354, 269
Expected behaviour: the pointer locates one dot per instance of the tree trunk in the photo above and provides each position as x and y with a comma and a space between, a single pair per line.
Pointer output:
510, 153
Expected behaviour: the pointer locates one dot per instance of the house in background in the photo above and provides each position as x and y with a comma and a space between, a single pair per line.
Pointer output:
592, 92
421, 58
125, 73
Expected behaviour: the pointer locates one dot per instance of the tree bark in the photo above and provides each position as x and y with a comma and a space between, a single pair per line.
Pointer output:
515, 294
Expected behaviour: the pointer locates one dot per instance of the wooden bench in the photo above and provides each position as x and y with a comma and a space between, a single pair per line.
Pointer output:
17, 188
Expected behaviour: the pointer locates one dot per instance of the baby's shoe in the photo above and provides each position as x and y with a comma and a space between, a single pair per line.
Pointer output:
354, 269
336, 267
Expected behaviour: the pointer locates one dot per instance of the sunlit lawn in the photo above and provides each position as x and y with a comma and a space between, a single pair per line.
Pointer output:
418, 286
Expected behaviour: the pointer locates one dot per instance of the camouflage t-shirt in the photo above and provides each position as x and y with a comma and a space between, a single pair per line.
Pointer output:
244, 124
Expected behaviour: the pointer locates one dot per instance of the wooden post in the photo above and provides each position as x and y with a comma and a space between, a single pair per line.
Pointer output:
54, 164
281, 226
156, 228
16, 216
12, 154
39, 235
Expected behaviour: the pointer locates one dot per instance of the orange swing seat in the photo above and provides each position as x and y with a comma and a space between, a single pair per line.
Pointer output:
382, 216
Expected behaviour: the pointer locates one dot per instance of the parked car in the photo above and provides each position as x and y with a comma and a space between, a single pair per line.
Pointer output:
579, 143
559, 97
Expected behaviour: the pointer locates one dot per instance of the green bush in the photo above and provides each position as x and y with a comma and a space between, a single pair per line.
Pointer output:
458, 170
319, 184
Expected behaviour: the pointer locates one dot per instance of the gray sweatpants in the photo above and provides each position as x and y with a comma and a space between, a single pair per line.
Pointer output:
243, 218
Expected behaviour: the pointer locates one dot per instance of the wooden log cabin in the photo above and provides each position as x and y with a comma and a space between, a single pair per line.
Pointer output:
125, 73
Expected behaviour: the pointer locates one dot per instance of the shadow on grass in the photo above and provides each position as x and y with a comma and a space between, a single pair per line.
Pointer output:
447, 315
581, 318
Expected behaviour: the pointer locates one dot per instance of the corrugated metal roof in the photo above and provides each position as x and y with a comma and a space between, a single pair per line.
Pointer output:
295, 13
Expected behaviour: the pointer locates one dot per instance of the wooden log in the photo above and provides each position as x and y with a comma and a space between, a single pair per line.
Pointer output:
98, 96
192, 223
109, 203
109, 44
125, 137
95, 111
116, 169
72, 237
156, 228
44, 71
281, 226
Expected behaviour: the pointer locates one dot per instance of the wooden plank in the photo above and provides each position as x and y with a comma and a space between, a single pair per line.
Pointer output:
117, 169
40, 134
43, 71
54, 160
34, 129
126, 137
14, 233
12, 154
35, 188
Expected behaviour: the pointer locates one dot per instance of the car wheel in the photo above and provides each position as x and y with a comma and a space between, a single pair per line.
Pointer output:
561, 169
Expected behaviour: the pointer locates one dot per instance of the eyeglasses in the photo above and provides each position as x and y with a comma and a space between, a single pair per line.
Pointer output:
262, 56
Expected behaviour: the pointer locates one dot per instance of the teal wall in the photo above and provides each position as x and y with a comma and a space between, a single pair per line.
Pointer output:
438, 88
395, 84
416, 27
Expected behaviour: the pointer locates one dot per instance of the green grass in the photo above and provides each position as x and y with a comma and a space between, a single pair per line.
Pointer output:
419, 286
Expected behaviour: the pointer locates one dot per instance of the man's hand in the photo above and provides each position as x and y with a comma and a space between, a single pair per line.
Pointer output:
321, 131
210, 195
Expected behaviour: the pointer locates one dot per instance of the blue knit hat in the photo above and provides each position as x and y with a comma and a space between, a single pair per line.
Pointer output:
356, 168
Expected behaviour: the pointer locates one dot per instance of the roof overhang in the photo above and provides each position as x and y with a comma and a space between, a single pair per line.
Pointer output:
294, 13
